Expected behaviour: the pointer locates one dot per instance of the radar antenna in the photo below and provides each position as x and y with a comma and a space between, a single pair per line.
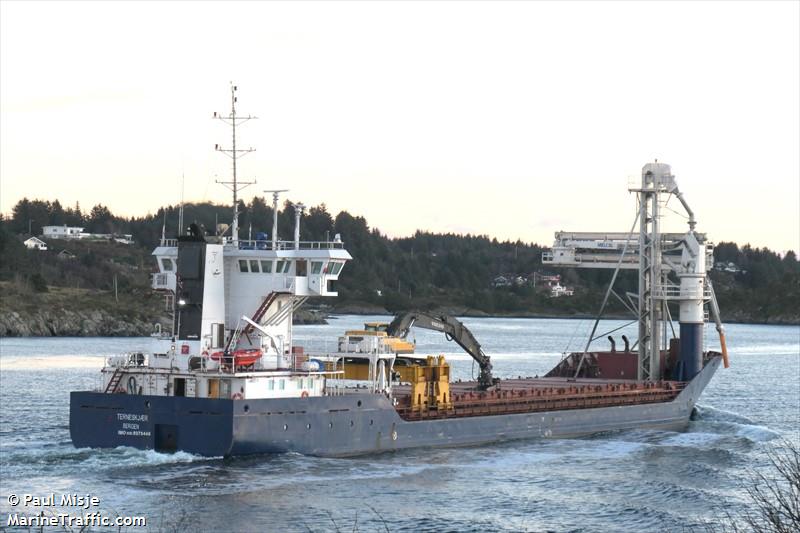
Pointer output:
234, 153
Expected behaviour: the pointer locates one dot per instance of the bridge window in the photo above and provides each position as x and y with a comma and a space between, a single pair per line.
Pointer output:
243, 265
301, 268
266, 267
335, 268
282, 384
253, 265
316, 267
166, 264
280, 265
271, 384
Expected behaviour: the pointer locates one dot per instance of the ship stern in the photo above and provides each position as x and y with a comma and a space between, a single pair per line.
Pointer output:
160, 423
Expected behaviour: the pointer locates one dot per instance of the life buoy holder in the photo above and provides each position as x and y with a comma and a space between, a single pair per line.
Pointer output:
131, 385
236, 396
304, 394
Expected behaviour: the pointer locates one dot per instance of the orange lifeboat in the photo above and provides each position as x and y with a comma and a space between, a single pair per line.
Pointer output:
242, 357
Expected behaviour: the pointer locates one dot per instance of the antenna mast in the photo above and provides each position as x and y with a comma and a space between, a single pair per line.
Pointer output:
180, 209
235, 186
275, 194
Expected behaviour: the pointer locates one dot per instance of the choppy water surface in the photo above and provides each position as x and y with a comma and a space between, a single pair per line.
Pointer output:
627, 481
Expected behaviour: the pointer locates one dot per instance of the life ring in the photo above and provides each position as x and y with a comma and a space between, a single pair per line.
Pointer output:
236, 396
205, 353
304, 394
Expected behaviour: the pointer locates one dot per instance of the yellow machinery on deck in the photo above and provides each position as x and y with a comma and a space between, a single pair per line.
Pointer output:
378, 329
357, 368
430, 386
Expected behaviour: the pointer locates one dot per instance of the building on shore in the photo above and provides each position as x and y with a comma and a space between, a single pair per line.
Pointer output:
35, 243
74, 232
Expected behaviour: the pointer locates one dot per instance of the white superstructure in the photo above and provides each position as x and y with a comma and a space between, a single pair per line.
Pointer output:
232, 303
245, 284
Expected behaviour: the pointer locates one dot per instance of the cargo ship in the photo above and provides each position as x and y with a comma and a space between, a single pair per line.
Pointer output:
228, 379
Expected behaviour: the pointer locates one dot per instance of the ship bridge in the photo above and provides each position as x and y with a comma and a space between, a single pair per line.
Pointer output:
305, 268
254, 269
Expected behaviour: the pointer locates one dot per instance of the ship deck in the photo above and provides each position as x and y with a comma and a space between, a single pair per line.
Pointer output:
530, 395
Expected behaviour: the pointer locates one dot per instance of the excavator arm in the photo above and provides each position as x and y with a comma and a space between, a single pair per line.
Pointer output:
453, 330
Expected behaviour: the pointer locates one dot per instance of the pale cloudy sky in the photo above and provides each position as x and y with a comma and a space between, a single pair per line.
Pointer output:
510, 119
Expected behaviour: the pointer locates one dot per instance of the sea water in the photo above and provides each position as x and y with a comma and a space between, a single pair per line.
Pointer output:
640, 480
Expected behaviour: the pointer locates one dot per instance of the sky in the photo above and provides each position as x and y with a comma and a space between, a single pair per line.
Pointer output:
510, 119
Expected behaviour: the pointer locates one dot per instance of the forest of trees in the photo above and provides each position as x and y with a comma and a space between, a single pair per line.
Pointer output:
425, 270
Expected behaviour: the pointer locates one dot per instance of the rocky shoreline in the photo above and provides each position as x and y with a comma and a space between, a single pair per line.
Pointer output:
69, 323
97, 323
63, 322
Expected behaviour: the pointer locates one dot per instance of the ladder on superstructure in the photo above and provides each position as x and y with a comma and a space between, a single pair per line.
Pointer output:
248, 328
113, 383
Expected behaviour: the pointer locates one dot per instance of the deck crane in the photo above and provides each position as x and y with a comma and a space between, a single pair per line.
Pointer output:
656, 255
454, 330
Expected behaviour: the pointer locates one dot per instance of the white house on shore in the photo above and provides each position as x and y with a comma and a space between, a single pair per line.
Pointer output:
558, 290
62, 232
68, 232
35, 243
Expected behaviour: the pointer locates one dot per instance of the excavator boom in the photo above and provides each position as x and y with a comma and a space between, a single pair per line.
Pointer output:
453, 330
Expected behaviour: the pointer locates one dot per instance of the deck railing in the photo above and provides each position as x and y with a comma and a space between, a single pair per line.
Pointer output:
160, 281
286, 245
267, 244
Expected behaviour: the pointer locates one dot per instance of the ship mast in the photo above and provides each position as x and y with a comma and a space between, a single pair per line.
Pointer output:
652, 276
275, 193
234, 153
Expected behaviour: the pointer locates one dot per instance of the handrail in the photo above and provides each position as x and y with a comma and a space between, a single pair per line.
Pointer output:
160, 280
248, 244
286, 245
676, 292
